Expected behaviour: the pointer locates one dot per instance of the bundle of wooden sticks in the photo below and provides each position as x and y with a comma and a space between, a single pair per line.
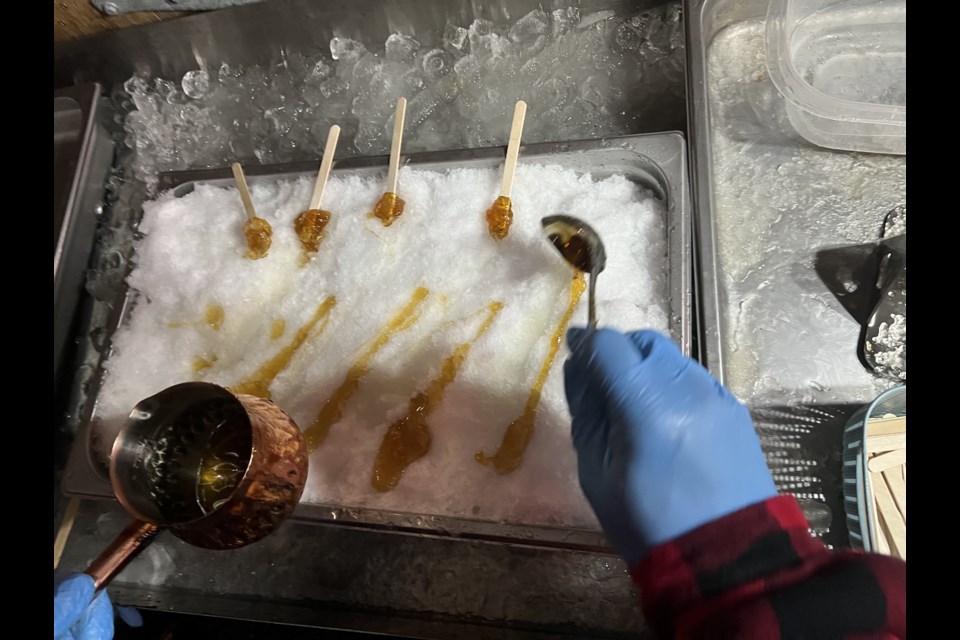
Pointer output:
886, 448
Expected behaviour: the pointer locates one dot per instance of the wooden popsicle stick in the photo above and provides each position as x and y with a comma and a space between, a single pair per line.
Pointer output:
244, 191
325, 165
889, 515
66, 525
398, 119
879, 535
513, 149
885, 535
886, 426
886, 460
880, 444
898, 489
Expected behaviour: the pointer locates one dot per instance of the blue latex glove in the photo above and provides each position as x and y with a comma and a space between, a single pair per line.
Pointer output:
77, 615
662, 447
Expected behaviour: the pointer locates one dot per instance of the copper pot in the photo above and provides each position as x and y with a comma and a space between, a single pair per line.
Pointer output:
219, 470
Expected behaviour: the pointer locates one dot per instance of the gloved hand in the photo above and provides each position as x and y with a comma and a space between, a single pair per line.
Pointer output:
662, 447
77, 615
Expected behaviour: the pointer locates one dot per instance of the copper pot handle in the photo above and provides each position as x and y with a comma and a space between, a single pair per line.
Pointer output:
124, 548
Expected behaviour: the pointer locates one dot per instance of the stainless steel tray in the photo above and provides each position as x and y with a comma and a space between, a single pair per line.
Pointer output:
655, 161
82, 155
768, 203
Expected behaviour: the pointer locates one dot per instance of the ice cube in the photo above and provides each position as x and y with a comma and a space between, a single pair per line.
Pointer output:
593, 91
641, 23
196, 83
658, 38
533, 69
456, 38
673, 14
437, 63
135, 124
468, 67
312, 95
262, 129
334, 87
529, 27
430, 99
570, 80
554, 92
414, 81
626, 38
505, 67
253, 81
282, 83
531, 49
370, 138
674, 20
564, 20
147, 103
488, 45
366, 68
481, 27
401, 48
595, 18
167, 91
346, 49
317, 71
136, 85
228, 74
491, 103
391, 81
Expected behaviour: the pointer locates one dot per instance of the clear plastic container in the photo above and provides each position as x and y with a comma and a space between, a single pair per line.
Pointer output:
842, 66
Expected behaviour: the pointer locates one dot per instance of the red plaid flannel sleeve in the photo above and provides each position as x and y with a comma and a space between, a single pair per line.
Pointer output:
757, 573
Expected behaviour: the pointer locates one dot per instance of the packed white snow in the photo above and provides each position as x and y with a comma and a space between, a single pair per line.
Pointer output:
191, 258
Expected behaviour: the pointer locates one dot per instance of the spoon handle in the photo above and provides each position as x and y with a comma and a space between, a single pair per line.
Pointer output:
592, 301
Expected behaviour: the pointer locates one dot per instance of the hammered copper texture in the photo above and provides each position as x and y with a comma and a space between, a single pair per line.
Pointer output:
269, 490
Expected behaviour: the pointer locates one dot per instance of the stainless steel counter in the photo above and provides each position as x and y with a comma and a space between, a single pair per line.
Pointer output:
768, 203
771, 191
412, 586
326, 575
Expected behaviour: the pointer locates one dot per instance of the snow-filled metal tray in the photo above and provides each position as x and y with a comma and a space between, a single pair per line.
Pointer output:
656, 162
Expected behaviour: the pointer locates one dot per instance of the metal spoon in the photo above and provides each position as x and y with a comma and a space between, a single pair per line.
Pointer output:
579, 245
